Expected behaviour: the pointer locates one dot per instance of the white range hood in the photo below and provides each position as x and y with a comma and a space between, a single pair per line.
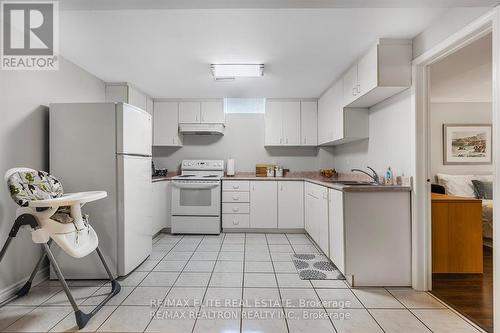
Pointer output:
202, 129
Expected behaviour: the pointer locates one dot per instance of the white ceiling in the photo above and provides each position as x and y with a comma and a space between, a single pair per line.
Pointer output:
167, 52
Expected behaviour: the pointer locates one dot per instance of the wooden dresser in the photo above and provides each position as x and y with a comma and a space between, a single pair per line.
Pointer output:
457, 235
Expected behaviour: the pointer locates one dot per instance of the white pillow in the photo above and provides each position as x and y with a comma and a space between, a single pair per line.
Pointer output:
460, 185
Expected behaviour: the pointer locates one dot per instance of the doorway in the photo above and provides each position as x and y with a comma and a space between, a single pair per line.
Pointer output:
461, 174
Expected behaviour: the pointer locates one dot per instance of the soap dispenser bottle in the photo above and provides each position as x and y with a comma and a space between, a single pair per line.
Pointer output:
389, 180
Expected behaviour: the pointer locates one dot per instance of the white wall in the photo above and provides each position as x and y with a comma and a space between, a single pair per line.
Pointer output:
24, 97
243, 141
388, 143
456, 113
447, 24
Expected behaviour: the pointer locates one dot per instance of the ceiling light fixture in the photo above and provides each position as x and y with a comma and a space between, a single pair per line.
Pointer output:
231, 71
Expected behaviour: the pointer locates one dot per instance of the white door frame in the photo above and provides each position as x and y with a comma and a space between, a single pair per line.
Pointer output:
421, 202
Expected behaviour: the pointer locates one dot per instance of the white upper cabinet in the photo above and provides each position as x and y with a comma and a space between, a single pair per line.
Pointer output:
212, 112
381, 73
336, 124
166, 124
290, 123
204, 112
149, 105
273, 124
290, 113
126, 93
189, 112
309, 123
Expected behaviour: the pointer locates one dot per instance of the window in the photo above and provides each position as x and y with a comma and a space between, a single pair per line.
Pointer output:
244, 105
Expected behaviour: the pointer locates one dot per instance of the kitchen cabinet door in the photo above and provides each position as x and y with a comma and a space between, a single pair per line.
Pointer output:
350, 81
291, 122
290, 205
322, 216
337, 116
311, 208
166, 124
273, 123
309, 123
368, 71
161, 212
212, 112
263, 204
336, 220
149, 105
189, 112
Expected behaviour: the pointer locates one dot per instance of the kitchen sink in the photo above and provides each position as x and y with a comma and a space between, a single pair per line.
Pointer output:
353, 183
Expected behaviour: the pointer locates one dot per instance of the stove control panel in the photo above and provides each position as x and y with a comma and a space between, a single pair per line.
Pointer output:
216, 165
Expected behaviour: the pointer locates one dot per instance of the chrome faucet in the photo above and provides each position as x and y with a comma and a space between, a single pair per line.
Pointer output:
374, 176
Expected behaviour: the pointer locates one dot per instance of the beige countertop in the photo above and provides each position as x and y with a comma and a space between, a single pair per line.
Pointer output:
163, 178
317, 178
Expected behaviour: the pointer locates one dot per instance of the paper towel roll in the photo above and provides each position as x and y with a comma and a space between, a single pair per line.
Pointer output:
230, 167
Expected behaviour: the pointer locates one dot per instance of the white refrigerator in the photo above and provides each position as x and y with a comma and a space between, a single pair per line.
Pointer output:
105, 146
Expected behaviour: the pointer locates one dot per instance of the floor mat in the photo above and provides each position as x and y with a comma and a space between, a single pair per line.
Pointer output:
316, 267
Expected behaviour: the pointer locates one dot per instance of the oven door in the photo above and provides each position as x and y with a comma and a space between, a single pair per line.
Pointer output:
195, 198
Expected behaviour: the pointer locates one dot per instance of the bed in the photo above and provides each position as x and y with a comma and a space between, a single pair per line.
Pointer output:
462, 186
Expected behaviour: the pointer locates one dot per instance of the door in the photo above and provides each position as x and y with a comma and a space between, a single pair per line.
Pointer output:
166, 124
195, 198
350, 82
212, 112
135, 213
273, 123
336, 220
322, 213
290, 205
263, 204
189, 112
134, 130
160, 206
291, 122
311, 208
368, 71
309, 123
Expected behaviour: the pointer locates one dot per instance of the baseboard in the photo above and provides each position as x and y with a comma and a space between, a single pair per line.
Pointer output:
265, 230
42, 275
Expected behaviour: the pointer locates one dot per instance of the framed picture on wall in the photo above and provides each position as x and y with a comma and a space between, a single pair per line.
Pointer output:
467, 144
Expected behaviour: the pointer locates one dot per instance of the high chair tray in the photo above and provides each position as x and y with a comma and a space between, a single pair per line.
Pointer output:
70, 199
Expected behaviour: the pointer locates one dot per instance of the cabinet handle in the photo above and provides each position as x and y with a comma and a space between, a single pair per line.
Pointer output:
236, 209
281, 140
196, 117
354, 91
202, 118
236, 222
236, 198
286, 140
236, 187
358, 88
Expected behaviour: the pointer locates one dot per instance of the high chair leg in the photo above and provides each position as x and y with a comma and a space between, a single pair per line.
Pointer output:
82, 318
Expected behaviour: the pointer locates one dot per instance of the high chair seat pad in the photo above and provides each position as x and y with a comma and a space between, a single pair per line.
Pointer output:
27, 186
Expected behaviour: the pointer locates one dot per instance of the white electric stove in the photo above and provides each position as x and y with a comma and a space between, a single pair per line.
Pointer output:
196, 197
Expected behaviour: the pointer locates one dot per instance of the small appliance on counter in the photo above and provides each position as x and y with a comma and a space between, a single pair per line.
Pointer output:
264, 170
230, 171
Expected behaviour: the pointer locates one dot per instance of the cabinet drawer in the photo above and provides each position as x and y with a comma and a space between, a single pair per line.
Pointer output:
235, 197
235, 208
236, 185
235, 220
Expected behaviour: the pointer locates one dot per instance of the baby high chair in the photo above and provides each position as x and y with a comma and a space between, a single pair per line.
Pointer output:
54, 216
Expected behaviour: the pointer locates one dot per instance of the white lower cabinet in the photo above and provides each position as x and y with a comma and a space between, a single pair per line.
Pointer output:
235, 220
263, 204
290, 205
316, 215
161, 206
235, 204
336, 218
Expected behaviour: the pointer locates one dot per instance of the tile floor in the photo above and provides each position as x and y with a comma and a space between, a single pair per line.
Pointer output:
231, 283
